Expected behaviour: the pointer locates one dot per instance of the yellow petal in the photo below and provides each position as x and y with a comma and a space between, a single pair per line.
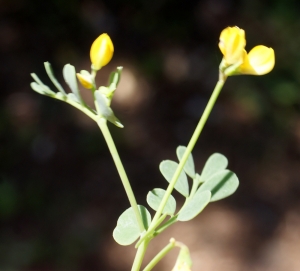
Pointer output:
260, 60
101, 51
232, 43
84, 81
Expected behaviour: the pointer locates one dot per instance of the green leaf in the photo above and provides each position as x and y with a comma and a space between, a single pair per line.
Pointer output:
53, 79
114, 78
168, 168
194, 206
189, 166
222, 184
39, 86
155, 197
104, 110
214, 163
41, 89
69, 74
127, 230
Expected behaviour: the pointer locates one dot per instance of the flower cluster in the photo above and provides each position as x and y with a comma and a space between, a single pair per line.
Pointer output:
260, 60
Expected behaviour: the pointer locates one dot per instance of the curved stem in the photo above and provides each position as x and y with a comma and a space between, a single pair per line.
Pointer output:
113, 150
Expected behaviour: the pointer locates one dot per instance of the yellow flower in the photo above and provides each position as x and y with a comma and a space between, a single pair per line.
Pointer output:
232, 44
260, 60
101, 51
85, 79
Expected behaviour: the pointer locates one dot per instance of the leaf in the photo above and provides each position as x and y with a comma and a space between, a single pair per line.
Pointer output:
69, 74
168, 168
104, 110
39, 86
214, 163
155, 197
194, 206
127, 230
41, 89
114, 78
189, 166
53, 79
222, 184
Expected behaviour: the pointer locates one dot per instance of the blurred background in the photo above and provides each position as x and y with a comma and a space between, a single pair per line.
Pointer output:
60, 195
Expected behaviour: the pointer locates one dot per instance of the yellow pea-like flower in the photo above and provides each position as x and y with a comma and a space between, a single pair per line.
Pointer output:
259, 61
101, 51
232, 44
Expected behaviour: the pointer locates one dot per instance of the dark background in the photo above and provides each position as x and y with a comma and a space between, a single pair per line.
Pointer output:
60, 195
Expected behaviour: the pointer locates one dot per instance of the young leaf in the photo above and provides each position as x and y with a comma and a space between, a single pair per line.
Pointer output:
189, 166
39, 86
155, 197
214, 163
41, 89
127, 230
53, 79
222, 184
195, 205
69, 74
114, 78
168, 168
104, 110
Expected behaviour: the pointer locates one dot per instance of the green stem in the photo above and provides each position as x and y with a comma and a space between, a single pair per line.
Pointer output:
190, 146
160, 255
166, 225
111, 145
140, 256
113, 150
151, 230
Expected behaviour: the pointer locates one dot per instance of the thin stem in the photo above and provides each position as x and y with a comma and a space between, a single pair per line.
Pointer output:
190, 146
140, 256
111, 145
151, 230
113, 150
160, 255
86, 110
166, 225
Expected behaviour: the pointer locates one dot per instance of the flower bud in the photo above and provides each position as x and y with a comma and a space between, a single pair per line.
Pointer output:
101, 51
85, 79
